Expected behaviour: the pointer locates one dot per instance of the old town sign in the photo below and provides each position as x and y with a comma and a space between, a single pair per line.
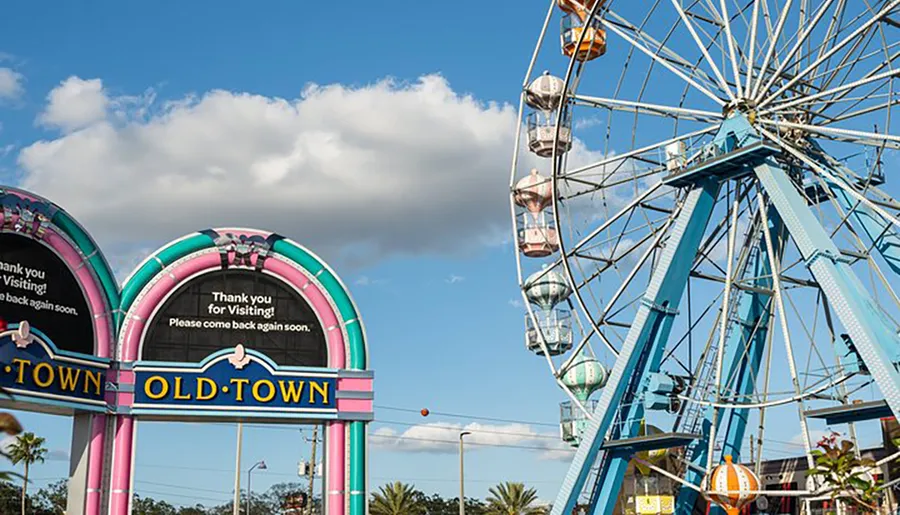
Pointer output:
234, 380
31, 366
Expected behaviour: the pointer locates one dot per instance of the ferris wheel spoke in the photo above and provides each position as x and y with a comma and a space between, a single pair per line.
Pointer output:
752, 50
889, 75
643, 150
588, 278
662, 51
886, 63
785, 332
823, 46
841, 66
650, 109
853, 57
773, 44
736, 68
792, 53
628, 208
663, 61
834, 23
845, 115
709, 60
723, 330
863, 138
837, 47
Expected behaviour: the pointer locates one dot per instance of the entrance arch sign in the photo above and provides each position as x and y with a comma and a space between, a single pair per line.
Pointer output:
239, 324
57, 332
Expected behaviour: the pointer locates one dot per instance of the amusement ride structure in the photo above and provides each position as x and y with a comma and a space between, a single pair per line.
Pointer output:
706, 240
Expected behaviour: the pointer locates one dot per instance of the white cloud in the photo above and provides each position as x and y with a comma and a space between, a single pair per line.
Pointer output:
516, 303
453, 279
58, 455
11, 84
354, 173
444, 438
365, 280
75, 103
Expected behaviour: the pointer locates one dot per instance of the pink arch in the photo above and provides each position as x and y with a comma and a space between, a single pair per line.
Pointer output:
102, 347
130, 341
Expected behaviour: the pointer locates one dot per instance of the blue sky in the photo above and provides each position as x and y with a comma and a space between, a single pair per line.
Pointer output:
395, 169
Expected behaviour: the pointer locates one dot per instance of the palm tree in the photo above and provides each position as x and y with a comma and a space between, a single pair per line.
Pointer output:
513, 499
395, 499
27, 449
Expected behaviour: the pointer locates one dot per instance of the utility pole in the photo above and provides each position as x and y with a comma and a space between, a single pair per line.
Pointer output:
237, 470
312, 470
462, 494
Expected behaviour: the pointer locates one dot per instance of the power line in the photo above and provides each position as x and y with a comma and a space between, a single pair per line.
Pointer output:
183, 487
509, 446
434, 426
472, 417
377, 478
185, 496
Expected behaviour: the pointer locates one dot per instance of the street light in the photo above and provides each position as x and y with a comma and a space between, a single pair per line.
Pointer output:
462, 495
262, 466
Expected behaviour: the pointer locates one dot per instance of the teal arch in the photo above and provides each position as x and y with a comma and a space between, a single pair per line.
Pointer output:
95, 258
86, 245
357, 358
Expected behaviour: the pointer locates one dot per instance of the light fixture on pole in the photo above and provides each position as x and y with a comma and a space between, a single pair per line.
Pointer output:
462, 494
262, 466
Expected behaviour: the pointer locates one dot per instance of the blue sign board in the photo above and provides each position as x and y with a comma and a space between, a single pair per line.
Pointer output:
234, 381
32, 367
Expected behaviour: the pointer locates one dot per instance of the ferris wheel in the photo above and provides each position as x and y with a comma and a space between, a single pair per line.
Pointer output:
708, 240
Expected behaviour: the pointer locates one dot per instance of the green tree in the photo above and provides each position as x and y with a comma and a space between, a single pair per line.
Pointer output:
434, 504
839, 467
511, 498
53, 498
10, 497
27, 449
147, 506
396, 499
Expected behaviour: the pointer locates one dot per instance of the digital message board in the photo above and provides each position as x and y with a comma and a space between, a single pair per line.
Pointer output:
37, 286
230, 307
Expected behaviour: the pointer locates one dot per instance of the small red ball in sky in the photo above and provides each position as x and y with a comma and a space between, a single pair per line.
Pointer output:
424, 412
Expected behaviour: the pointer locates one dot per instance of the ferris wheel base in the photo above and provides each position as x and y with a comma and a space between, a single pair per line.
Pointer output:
729, 165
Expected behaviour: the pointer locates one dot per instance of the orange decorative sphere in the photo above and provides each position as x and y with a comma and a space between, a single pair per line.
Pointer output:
424, 412
729, 484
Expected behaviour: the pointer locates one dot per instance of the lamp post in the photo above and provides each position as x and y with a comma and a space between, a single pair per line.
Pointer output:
462, 494
262, 466
236, 504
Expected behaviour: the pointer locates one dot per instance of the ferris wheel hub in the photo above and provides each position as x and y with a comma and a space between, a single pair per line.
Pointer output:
741, 106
